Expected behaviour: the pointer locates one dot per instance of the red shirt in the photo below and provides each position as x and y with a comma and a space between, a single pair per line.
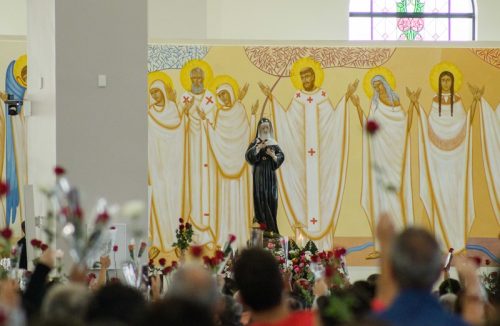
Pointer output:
299, 318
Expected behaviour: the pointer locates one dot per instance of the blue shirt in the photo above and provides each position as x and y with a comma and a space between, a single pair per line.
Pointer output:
418, 308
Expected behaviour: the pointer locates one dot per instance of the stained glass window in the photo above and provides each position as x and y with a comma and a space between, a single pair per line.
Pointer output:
428, 20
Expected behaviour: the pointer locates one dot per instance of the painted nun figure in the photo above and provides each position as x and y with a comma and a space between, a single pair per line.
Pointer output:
265, 156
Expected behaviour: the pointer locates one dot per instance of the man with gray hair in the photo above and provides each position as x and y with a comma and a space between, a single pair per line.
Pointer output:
415, 264
194, 283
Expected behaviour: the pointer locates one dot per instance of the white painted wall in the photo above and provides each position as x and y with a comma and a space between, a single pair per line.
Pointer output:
41, 126
277, 19
488, 22
177, 19
13, 17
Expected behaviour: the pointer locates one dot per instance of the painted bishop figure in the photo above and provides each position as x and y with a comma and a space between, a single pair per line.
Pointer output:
314, 134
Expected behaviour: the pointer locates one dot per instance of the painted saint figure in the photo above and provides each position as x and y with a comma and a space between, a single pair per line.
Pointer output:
490, 143
386, 156
265, 156
14, 133
166, 133
314, 135
229, 136
445, 158
200, 204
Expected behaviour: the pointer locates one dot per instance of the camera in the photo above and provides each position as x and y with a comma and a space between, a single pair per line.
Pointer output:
13, 105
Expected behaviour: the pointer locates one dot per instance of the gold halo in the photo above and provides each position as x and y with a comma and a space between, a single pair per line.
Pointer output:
161, 76
190, 65
302, 63
224, 79
20, 63
382, 71
445, 66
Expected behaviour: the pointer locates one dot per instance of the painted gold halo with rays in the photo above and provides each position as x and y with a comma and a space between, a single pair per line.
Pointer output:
381, 71
224, 79
20, 63
445, 66
160, 76
303, 63
190, 65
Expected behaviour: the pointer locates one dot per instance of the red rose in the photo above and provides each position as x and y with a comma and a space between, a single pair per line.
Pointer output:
328, 271
372, 127
196, 251
451, 250
91, 276
181, 227
487, 262
35, 243
115, 248
44, 246
162, 261
214, 261
330, 254
219, 254
476, 260
102, 217
181, 220
314, 258
174, 264
167, 270
58, 170
263, 226
78, 212
206, 260
188, 226
151, 262
113, 228
4, 188
232, 238
322, 255
6, 233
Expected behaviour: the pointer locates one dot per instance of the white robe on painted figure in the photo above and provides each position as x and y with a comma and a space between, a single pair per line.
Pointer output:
200, 197
445, 159
386, 163
314, 136
490, 142
229, 137
166, 148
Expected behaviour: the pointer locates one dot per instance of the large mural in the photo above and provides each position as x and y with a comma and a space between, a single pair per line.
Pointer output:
432, 162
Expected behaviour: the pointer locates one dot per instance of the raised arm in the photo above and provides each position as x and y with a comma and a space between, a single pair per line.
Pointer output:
266, 90
477, 94
351, 88
357, 105
414, 104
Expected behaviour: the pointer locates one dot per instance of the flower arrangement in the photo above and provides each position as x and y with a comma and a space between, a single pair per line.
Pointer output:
65, 202
221, 261
184, 235
308, 263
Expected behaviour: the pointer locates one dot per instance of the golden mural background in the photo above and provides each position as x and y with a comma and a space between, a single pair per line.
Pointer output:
411, 68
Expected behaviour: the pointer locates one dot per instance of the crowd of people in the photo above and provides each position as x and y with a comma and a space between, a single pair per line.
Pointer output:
258, 293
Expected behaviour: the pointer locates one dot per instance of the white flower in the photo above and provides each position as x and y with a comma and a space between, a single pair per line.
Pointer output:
59, 253
133, 209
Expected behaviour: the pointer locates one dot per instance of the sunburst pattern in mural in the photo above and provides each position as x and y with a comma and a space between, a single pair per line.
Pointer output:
491, 56
278, 61
161, 56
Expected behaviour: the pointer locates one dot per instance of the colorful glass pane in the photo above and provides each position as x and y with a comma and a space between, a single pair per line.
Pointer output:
429, 20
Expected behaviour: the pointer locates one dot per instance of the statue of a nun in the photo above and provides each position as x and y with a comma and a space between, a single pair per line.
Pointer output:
266, 157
